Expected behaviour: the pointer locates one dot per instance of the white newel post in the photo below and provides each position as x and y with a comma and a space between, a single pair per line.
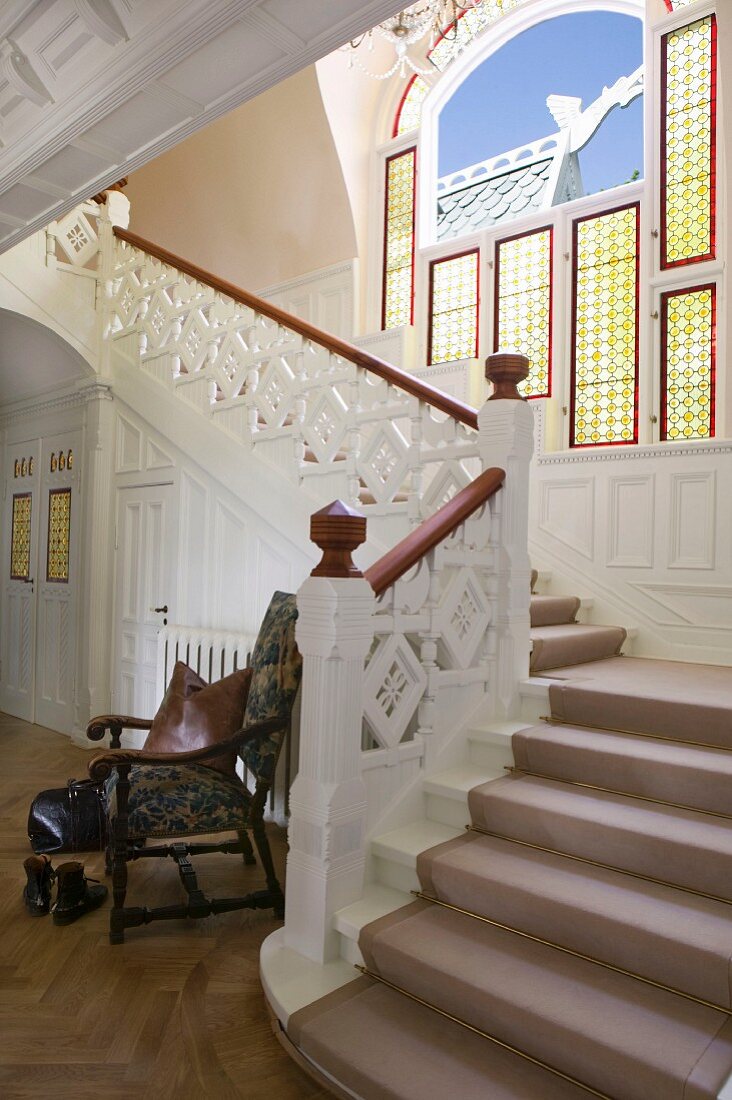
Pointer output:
325, 865
506, 439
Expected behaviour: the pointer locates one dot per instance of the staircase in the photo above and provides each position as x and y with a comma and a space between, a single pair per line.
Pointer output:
576, 939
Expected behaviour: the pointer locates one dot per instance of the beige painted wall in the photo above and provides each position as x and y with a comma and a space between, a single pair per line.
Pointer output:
258, 197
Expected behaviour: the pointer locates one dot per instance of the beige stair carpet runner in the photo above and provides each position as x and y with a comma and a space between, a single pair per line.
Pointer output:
558, 640
581, 932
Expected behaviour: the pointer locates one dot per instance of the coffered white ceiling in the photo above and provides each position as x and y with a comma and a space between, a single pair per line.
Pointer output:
92, 89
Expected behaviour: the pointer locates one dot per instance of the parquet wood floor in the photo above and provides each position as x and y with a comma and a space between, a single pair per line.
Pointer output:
175, 1013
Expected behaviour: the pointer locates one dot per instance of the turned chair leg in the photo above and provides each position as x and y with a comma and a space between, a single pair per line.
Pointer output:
265, 854
119, 847
248, 852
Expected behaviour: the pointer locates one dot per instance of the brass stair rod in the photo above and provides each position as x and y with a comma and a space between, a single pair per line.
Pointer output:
597, 863
571, 951
485, 1035
552, 721
612, 790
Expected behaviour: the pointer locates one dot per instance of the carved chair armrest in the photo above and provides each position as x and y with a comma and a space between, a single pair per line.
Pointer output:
102, 764
114, 724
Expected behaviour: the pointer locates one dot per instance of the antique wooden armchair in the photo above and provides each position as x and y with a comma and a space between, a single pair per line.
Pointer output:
152, 795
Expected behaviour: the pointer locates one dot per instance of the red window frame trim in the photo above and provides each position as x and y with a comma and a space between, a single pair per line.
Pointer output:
573, 359
664, 355
506, 240
666, 264
18, 576
442, 260
395, 156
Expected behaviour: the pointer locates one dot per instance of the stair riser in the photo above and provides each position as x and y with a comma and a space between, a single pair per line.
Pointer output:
397, 876
448, 811
489, 755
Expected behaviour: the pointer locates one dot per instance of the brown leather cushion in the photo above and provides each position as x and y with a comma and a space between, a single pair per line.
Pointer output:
194, 714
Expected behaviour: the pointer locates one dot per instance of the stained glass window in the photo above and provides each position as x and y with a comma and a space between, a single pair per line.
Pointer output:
445, 50
689, 129
20, 542
688, 320
399, 240
605, 328
59, 530
454, 308
524, 304
469, 25
409, 111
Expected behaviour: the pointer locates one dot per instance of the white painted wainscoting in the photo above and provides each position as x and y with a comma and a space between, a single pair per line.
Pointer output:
646, 532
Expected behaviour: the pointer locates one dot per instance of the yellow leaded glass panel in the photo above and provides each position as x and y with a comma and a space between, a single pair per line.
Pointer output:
688, 168
410, 109
59, 530
20, 543
524, 304
399, 240
688, 353
454, 308
605, 343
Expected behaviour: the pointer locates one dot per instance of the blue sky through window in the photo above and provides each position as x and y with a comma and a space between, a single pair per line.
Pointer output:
503, 103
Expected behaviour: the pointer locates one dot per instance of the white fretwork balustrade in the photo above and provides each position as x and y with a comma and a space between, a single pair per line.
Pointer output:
304, 404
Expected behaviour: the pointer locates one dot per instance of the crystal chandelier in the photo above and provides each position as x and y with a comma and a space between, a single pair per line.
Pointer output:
427, 19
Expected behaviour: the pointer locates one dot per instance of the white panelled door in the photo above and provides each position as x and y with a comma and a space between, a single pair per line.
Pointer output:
56, 583
18, 634
145, 592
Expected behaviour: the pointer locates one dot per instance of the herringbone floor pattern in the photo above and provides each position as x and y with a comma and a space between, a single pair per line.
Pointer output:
176, 1012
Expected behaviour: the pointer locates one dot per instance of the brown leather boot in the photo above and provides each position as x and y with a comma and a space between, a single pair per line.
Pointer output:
37, 892
75, 896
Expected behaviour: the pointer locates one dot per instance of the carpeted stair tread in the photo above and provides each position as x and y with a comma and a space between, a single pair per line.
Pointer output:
669, 698
689, 775
616, 1034
573, 643
671, 937
682, 847
383, 1046
553, 610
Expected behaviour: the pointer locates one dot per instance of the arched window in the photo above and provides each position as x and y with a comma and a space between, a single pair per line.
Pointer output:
605, 274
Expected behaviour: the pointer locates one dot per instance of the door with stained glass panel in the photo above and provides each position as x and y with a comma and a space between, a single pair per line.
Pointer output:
20, 525
56, 583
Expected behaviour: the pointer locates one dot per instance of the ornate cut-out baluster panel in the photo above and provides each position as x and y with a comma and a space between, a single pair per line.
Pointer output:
432, 656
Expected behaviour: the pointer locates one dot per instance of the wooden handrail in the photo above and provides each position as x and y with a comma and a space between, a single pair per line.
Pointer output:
434, 530
396, 377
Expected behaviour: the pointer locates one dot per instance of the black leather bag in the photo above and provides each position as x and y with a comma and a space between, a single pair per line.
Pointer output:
69, 819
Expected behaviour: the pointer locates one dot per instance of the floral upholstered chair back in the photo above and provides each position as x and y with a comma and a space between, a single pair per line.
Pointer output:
276, 671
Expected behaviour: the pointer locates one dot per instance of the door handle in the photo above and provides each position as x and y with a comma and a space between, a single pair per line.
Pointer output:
159, 610
28, 580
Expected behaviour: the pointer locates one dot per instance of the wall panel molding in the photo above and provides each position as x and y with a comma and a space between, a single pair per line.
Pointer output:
631, 524
692, 520
567, 513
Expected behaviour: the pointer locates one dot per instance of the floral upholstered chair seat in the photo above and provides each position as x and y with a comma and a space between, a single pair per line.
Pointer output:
181, 800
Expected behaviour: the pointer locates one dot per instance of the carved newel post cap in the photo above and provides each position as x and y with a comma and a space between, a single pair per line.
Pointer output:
505, 369
337, 530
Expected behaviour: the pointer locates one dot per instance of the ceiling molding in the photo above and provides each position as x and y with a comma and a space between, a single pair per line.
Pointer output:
99, 58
